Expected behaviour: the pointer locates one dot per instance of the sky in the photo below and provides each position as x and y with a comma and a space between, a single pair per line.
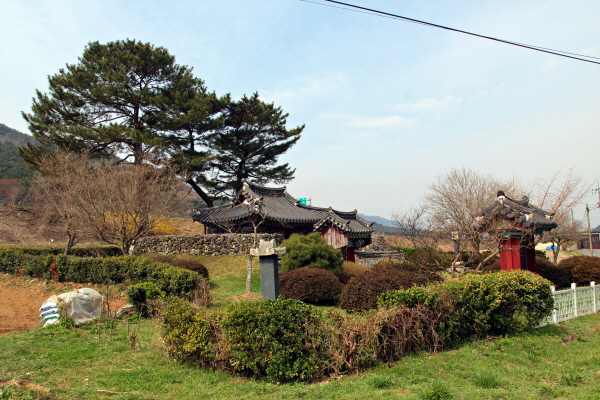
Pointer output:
389, 106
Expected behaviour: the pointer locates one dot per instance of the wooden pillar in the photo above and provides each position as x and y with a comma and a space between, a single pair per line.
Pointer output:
517, 252
510, 253
348, 254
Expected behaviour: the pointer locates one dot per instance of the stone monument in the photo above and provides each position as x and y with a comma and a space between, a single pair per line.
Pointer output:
268, 255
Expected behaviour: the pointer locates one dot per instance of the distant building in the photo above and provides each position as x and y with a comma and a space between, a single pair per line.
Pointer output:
273, 210
584, 240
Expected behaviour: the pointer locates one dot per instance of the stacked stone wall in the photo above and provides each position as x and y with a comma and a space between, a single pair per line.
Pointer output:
208, 245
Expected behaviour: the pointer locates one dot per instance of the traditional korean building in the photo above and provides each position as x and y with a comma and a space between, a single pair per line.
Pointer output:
516, 222
274, 210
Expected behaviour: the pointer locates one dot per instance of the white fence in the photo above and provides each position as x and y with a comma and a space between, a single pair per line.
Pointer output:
573, 303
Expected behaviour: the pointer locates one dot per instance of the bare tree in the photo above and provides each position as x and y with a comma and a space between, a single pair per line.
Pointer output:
560, 193
455, 198
52, 189
124, 203
415, 226
259, 216
117, 203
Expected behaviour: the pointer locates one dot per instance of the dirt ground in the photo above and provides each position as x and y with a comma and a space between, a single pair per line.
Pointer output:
21, 298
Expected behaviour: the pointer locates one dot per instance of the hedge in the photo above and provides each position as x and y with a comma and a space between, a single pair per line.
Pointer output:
128, 269
278, 339
286, 340
476, 305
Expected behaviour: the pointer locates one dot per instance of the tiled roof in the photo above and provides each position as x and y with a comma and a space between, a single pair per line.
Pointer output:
276, 205
520, 212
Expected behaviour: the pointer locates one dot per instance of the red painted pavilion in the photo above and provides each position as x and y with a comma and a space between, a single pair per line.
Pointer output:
273, 210
516, 222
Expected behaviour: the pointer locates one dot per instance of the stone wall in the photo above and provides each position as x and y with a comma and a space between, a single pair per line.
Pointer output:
210, 245
370, 259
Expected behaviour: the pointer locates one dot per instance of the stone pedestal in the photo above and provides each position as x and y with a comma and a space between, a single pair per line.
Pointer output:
267, 253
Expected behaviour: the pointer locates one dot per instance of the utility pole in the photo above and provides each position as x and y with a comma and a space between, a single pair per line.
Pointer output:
587, 211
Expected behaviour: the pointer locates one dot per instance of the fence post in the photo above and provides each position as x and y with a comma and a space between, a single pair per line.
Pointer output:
574, 287
554, 310
593, 285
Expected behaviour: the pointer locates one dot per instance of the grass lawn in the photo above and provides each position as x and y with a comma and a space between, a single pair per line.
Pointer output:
90, 362
555, 362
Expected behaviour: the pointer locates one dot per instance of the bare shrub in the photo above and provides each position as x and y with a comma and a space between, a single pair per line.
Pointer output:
201, 295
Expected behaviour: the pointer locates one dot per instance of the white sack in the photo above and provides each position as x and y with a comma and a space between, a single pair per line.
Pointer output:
81, 305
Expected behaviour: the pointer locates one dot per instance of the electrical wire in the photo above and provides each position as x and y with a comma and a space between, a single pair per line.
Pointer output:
378, 13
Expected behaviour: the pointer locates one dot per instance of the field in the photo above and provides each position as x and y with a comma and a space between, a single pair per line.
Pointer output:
101, 361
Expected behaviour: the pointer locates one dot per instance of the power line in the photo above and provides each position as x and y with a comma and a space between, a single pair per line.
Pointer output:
371, 11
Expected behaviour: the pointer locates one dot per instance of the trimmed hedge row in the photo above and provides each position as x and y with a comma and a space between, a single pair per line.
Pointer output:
288, 340
130, 269
98, 252
477, 305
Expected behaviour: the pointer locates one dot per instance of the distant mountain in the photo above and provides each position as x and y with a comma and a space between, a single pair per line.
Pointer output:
12, 165
378, 220
10, 135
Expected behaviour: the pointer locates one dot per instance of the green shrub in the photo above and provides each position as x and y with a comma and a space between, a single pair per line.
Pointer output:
311, 285
278, 339
560, 277
189, 332
186, 262
169, 279
310, 251
11, 260
480, 304
349, 271
96, 252
411, 297
140, 293
361, 292
583, 269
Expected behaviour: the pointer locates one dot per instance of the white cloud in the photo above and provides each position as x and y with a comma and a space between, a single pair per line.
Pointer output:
430, 104
303, 88
384, 122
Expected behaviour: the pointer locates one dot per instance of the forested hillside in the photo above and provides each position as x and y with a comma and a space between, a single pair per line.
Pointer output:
13, 136
11, 164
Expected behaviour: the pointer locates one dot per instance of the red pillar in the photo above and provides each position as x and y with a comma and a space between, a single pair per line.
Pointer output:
517, 252
510, 254
348, 254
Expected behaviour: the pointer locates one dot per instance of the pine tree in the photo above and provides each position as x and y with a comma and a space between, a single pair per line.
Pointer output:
116, 102
248, 145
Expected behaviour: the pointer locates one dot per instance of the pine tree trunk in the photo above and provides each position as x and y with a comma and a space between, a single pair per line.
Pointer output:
200, 192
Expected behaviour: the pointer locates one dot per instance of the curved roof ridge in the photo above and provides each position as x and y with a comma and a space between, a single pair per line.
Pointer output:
258, 188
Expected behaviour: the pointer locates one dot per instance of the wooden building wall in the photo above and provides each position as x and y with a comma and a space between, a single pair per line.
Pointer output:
334, 237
